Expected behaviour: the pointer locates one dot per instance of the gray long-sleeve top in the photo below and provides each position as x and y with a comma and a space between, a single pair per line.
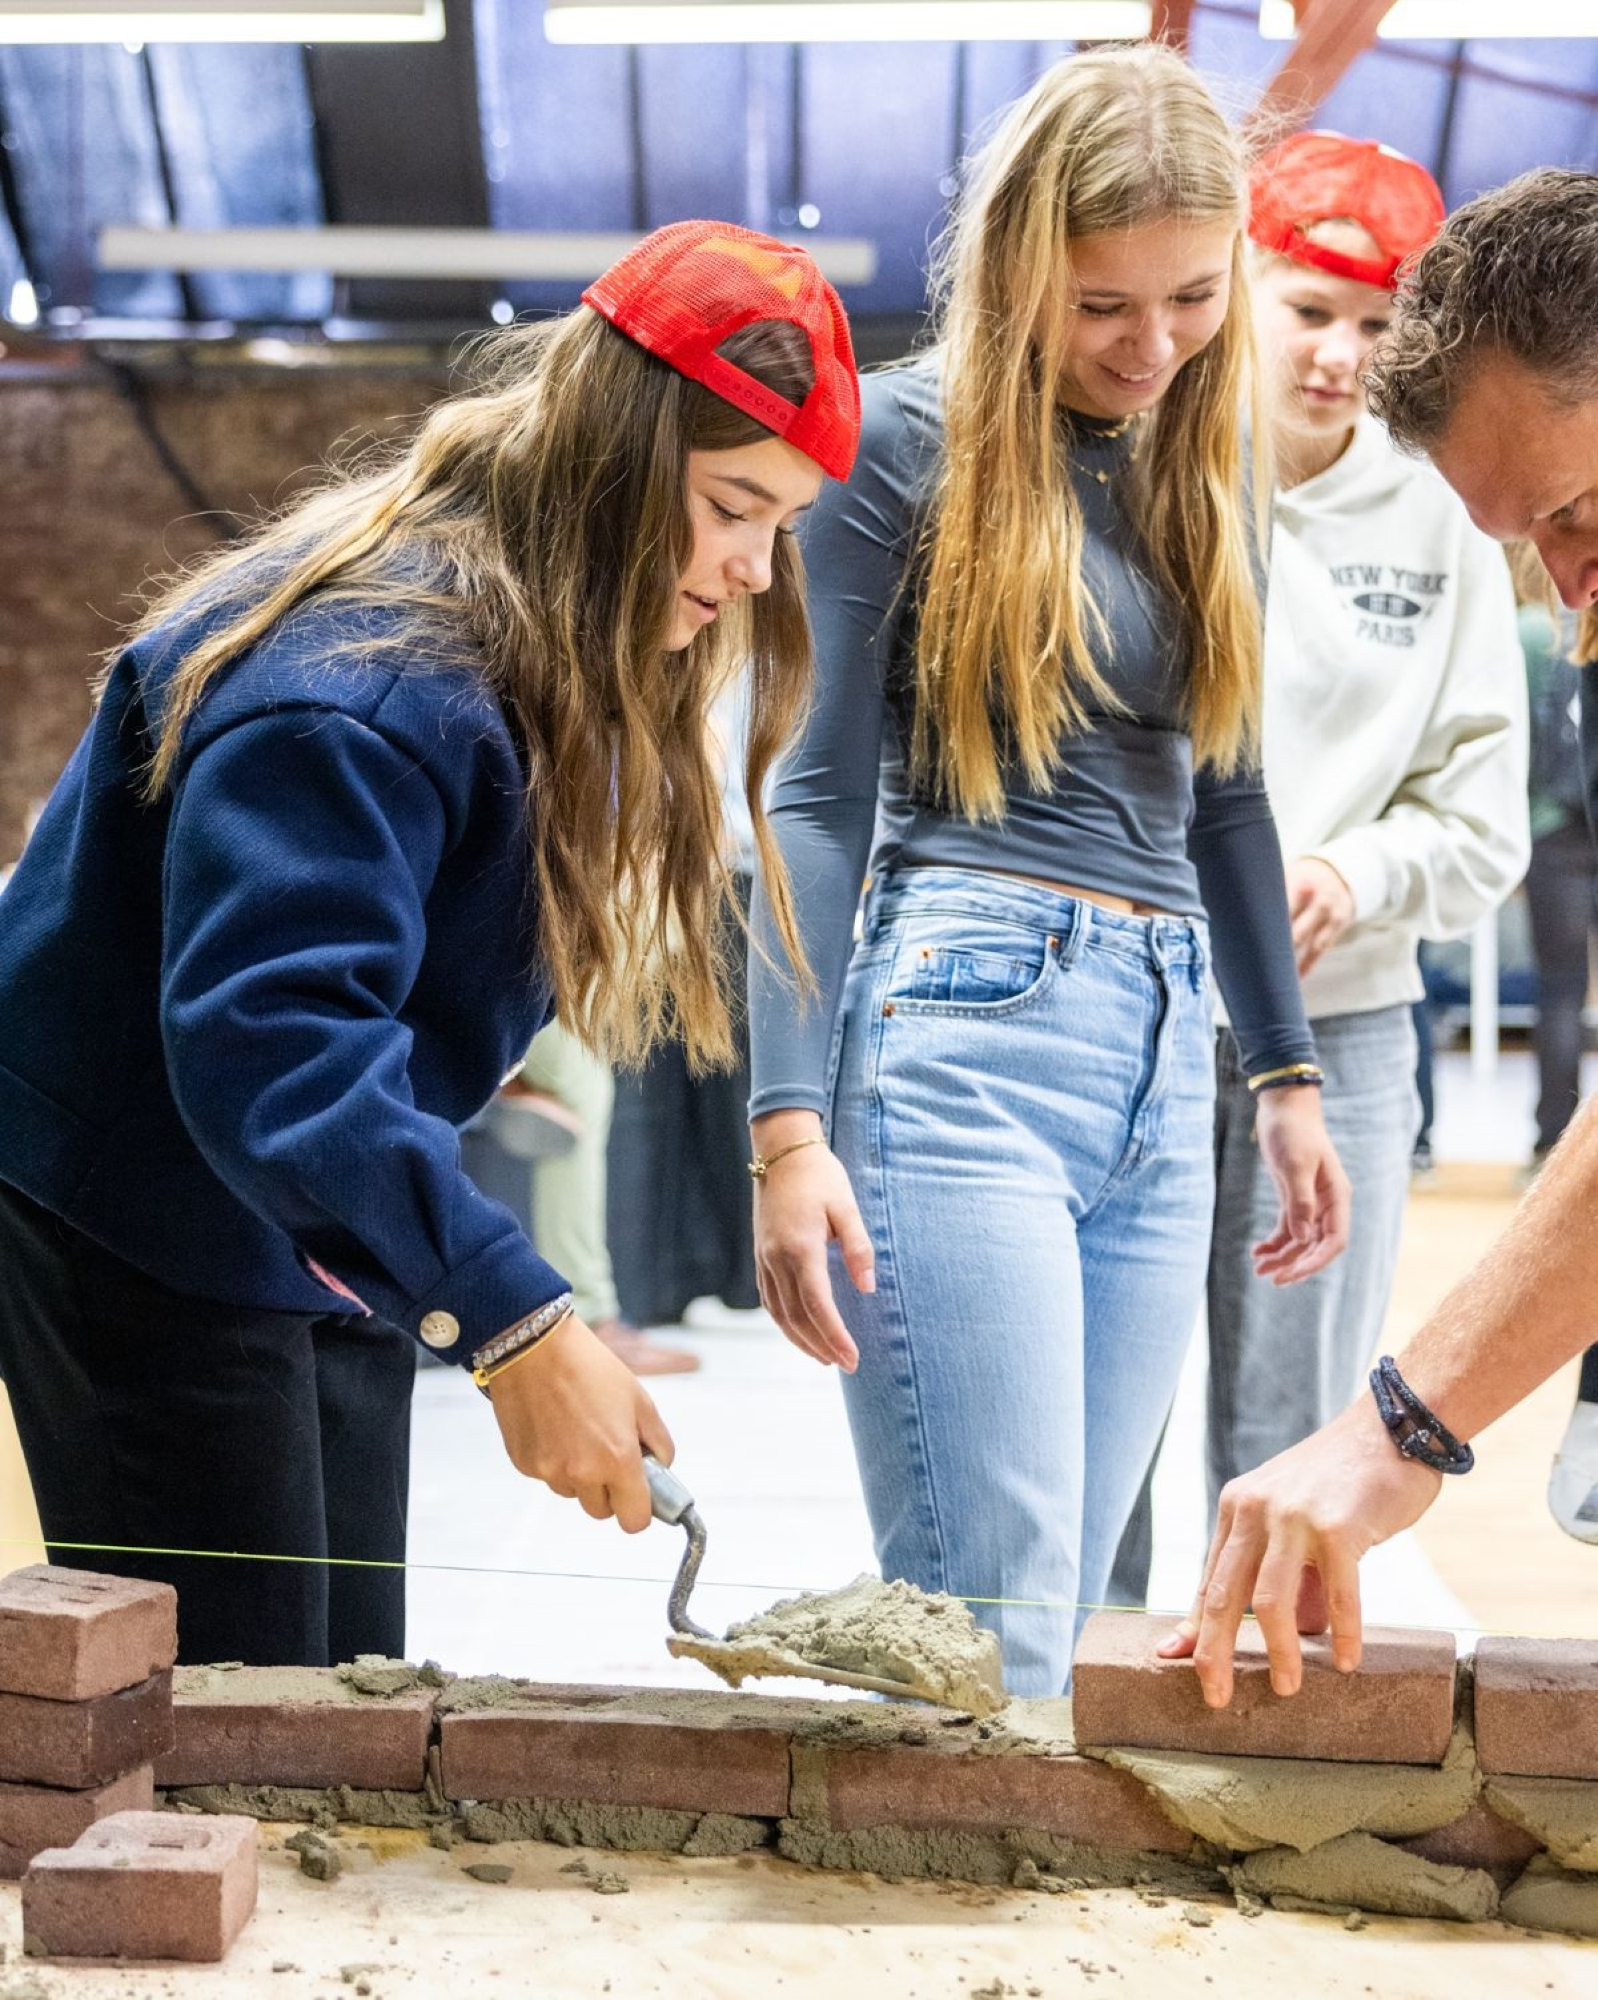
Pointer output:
1124, 814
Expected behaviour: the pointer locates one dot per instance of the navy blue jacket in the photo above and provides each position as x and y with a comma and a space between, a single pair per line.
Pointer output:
240, 1027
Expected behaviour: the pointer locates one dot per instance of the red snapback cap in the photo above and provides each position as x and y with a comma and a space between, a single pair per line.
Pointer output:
1318, 176
685, 288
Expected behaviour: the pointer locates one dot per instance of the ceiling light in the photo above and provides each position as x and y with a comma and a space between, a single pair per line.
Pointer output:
844, 20
1455, 20
133, 21
500, 256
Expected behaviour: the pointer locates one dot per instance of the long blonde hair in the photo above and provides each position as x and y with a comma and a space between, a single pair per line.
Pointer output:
1108, 140
535, 529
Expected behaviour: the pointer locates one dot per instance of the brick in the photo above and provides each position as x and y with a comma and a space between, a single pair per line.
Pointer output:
1537, 1707
1478, 1839
1397, 1709
82, 1743
34, 1817
665, 1755
294, 1726
143, 1885
944, 1786
72, 1634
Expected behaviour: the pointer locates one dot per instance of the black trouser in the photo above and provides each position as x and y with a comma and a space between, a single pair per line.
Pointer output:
1560, 886
152, 1420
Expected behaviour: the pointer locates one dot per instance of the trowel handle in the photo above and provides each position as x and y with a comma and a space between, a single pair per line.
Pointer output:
669, 1497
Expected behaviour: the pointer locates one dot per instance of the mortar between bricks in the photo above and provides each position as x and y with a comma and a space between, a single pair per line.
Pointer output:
914, 1793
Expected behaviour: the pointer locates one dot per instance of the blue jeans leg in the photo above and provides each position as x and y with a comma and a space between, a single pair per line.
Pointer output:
1023, 1100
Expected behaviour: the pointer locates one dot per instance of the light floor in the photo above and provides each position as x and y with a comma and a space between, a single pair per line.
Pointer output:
404, 1923
511, 1580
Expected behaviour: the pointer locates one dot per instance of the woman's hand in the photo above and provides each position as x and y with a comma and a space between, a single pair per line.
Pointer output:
804, 1203
1312, 1225
1321, 905
573, 1416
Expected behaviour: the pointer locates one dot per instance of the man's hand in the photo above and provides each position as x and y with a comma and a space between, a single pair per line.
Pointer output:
1321, 905
1288, 1542
1311, 1187
573, 1416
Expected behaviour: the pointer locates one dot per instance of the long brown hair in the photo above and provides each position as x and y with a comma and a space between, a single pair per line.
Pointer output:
537, 527
1108, 140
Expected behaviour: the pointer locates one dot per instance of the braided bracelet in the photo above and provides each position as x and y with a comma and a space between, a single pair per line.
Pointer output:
1412, 1427
516, 1340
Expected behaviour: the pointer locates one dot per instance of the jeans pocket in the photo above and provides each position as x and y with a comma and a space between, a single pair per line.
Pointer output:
970, 966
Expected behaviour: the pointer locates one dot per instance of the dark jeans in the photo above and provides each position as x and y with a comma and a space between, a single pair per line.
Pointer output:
1560, 886
153, 1421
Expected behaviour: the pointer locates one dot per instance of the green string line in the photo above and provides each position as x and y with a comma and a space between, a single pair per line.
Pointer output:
602, 1576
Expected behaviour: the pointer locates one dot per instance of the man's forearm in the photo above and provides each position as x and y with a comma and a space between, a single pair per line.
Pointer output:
1530, 1305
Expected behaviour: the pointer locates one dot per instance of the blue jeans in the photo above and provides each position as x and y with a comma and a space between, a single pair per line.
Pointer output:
1023, 1098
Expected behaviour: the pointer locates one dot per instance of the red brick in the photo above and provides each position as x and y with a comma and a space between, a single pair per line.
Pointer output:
1479, 1839
668, 1757
81, 1743
71, 1634
1537, 1707
1397, 1709
945, 1786
294, 1726
143, 1885
34, 1817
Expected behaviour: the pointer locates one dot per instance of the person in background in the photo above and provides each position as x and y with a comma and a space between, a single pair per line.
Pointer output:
569, 1198
1395, 758
1562, 897
1491, 369
367, 799
681, 1200
1037, 634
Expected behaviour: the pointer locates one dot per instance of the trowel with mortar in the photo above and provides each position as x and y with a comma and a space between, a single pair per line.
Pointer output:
888, 1638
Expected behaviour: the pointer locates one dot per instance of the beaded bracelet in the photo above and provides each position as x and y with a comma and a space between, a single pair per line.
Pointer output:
1412, 1427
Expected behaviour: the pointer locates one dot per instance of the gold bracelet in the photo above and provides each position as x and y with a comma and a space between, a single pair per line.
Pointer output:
761, 1165
1295, 1072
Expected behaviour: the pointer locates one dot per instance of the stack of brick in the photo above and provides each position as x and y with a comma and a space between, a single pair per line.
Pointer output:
85, 1703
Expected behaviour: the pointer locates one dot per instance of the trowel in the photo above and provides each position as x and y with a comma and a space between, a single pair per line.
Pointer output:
757, 1649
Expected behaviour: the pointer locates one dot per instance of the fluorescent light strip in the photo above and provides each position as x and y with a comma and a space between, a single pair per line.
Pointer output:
611, 21
1458, 20
496, 255
246, 21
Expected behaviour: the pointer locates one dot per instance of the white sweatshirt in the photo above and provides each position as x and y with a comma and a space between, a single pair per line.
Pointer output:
1395, 712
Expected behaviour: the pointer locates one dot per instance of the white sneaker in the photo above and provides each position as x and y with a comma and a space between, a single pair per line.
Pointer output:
1573, 1482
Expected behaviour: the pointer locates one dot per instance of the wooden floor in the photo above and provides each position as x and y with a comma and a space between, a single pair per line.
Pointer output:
1491, 1536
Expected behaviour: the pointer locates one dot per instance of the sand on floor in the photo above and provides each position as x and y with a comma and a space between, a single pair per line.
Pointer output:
404, 1920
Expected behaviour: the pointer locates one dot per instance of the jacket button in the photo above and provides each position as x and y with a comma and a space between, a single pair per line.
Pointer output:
440, 1329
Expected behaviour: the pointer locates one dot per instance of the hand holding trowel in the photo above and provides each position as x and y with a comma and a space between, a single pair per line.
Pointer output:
889, 1638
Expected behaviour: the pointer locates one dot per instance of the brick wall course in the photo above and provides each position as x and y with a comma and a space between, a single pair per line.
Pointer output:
71, 1634
34, 1817
662, 1758
1537, 1707
1397, 1709
947, 1787
293, 1726
143, 1885
83, 1743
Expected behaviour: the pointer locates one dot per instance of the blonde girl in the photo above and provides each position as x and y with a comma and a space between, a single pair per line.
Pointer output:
1038, 647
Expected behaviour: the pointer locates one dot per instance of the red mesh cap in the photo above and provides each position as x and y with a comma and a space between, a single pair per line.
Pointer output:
684, 289
1318, 176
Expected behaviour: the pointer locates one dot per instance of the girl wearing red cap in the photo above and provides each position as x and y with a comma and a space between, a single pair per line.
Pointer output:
1395, 753
366, 799
1038, 639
